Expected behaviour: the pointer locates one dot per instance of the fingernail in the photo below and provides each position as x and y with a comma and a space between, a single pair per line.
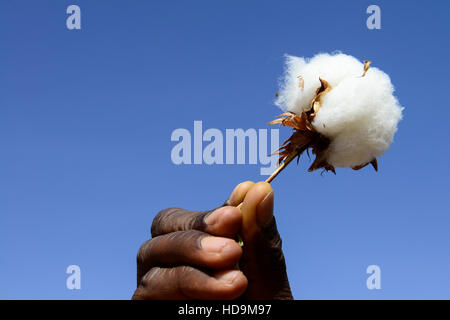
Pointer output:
213, 244
228, 277
264, 210
235, 196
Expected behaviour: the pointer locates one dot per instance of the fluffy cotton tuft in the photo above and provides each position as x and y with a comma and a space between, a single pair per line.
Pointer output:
359, 115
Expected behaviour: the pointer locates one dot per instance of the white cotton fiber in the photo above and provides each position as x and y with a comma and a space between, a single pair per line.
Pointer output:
359, 115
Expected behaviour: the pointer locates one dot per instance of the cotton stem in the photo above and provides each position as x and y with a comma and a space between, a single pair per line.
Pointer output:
280, 168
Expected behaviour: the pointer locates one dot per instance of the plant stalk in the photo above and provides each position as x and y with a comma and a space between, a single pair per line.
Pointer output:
283, 165
280, 168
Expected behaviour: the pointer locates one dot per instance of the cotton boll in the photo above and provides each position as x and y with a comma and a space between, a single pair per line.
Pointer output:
290, 92
333, 68
360, 117
356, 115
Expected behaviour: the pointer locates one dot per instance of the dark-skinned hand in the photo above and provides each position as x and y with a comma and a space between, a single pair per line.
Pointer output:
193, 255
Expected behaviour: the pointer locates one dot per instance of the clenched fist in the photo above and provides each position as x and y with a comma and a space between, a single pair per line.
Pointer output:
193, 255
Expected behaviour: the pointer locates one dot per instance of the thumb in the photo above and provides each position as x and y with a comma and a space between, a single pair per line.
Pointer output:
262, 261
257, 210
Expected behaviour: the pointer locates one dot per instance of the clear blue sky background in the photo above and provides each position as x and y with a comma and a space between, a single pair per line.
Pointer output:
86, 118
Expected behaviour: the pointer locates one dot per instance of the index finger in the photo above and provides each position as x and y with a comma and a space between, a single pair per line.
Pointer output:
223, 221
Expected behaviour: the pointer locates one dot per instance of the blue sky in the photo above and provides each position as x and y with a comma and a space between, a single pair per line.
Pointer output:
86, 118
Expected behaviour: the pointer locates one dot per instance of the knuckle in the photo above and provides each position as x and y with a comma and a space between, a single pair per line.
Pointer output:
143, 262
160, 220
140, 257
177, 219
149, 286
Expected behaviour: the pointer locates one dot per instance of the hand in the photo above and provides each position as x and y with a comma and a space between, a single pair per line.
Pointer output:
192, 255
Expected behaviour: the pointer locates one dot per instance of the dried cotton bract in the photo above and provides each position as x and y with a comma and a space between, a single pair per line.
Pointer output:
341, 109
